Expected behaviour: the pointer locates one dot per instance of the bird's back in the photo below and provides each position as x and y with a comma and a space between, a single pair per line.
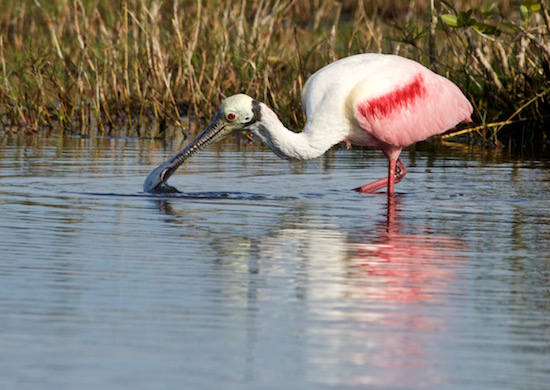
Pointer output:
395, 100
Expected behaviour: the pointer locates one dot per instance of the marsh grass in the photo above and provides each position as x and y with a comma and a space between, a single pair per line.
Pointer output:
142, 66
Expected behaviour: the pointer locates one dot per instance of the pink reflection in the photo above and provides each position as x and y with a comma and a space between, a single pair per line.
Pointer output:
407, 267
403, 272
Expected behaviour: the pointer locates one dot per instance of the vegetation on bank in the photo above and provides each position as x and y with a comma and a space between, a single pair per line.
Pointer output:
145, 65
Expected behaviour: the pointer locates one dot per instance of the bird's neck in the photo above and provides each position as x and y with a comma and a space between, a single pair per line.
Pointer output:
285, 143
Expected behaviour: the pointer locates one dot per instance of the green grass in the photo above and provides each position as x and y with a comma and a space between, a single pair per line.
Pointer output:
140, 66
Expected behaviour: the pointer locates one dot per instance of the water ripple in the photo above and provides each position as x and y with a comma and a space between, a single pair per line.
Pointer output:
261, 274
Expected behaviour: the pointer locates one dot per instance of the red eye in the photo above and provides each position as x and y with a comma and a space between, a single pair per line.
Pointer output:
231, 116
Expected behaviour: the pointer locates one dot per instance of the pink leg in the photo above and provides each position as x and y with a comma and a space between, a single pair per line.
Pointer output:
396, 172
391, 176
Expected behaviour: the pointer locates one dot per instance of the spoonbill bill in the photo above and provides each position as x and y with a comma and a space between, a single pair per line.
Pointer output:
385, 101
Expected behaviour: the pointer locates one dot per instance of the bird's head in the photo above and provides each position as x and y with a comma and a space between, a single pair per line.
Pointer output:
236, 113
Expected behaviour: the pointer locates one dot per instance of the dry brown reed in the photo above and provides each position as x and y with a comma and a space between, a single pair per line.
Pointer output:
145, 65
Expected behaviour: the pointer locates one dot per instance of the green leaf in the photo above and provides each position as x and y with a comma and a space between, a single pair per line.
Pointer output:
524, 12
535, 7
531, 5
507, 25
450, 20
486, 28
464, 18
489, 9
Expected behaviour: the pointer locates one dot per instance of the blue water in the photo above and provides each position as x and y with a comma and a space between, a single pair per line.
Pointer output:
262, 274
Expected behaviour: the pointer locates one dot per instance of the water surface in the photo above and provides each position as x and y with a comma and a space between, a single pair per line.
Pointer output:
267, 275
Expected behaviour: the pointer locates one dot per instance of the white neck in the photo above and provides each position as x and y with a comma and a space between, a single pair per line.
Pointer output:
285, 143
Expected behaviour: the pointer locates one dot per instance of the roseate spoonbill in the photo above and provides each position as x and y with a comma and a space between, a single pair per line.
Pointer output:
379, 100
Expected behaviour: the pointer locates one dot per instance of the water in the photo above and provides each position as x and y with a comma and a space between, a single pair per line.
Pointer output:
268, 275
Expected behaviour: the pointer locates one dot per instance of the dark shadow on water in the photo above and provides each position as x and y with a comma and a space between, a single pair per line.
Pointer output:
212, 195
215, 195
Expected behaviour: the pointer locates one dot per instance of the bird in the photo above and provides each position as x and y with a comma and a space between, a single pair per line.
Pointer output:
379, 100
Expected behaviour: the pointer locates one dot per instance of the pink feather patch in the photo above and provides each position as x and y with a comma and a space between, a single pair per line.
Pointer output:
400, 98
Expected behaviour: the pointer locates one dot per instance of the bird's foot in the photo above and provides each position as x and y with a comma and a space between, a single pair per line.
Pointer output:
400, 170
398, 175
372, 187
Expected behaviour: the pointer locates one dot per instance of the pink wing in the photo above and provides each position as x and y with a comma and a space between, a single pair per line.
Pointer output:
406, 103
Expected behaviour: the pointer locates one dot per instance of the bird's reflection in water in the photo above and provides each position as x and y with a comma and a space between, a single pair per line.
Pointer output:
405, 275
406, 267
362, 304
